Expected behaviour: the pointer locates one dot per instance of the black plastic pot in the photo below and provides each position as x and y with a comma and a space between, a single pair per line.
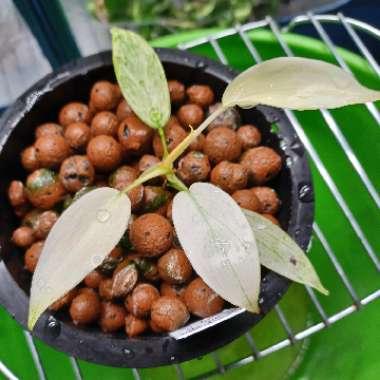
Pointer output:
73, 82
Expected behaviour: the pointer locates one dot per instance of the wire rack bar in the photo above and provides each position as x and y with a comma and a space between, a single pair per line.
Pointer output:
359, 43
357, 303
284, 323
218, 362
35, 355
76, 369
298, 337
136, 374
333, 19
252, 345
327, 40
179, 371
7, 372
322, 169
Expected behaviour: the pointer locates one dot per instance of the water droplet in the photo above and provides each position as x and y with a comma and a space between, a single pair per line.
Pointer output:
201, 65
289, 162
52, 327
264, 280
103, 215
305, 193
128, 353
284, 144
261, 300
172, 358
81, 341
297, 148
260, 227
97, 260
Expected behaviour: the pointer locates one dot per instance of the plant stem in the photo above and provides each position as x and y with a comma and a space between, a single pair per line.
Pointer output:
176, 183
192, 136
161, 133
165, 167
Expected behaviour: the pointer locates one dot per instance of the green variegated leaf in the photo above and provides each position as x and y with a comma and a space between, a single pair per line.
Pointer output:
281, 254
79, 241
141, 77
219, 243
296, 83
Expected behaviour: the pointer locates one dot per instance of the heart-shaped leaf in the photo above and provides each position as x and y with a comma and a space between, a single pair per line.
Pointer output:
79, 241
219, 243
296, 83
281, 254
141, 77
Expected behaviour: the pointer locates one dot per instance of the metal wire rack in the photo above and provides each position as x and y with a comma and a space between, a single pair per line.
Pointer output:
350, 26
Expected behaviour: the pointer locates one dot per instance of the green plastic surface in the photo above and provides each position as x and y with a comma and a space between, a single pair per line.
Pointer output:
348, 349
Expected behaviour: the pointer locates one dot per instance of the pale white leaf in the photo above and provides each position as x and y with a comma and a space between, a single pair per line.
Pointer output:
79, 241
141, 77
281, 254
219, 243
296, 83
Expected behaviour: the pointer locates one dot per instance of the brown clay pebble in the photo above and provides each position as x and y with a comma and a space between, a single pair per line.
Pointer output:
270, 203
43, 188
76, 172
273, 219
174, 267
104, 152
222, 144
78, 135
85, 308
190, 115
111, 261
23, 237
74, 113
247, 199
16, 194
112, 317
174, 134
169, 210
194, 167
249, 136
229, 176
124, 279
64, 301
124, 176
32, 255
172, 290
135, 326
228, 119
201, 300
21, 211
151, 234
198, 144
262, 163
155, 328
93, 279
104, 123
104, 96
176, 91
51, 150
29, 159
141, 300
48, 129
134, 135
105, 289
46, 221
200, 94
169, 313
124, 110
147, 161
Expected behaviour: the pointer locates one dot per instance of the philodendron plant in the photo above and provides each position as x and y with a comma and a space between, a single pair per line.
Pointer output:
225, 251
